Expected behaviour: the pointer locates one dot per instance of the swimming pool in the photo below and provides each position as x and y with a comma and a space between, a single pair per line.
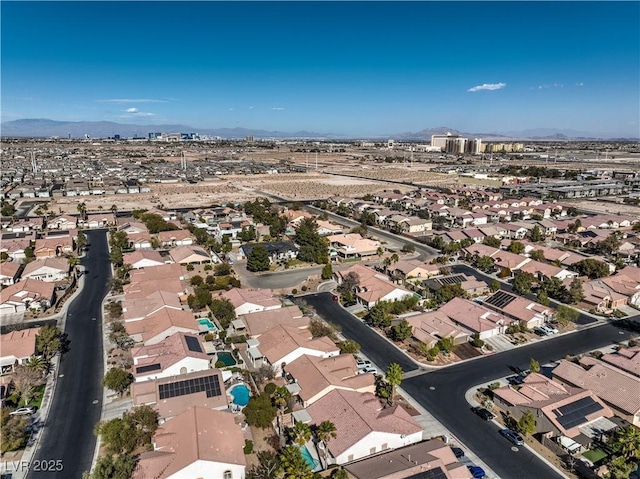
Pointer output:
313, 464
226, 358
207, 324
240, 394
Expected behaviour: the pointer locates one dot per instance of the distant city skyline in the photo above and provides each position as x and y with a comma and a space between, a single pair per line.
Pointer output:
351, 68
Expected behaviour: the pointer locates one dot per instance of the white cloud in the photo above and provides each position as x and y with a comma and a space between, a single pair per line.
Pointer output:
277, 108
135, 113
488, 86
131, 110
132, 100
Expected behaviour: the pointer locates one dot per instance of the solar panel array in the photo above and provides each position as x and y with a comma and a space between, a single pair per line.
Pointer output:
458, 278
208, 384
436, 473
148, 368
193, 344
575, 413
500, 299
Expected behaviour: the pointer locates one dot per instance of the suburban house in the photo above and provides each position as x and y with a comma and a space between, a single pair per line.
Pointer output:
62, 222
543, 271
160, 325
599, 296
16, 347
313, 377
431, 327
51, 247
140, 240
283, 344
431, 459
9, 272
135, 309
173, 395
190, 255
469, 284
511, 261
178, 354
250, 300
14, 247
412, 270
626, 282
198, 443
617, 388
475, 318
351, 245
278, 250
363, 426
376, 289
133, 227
97, 220
170, 239
527, 312
253, 325
326, 228
142, 259
47, 269
27, 294
627, 359
563, 410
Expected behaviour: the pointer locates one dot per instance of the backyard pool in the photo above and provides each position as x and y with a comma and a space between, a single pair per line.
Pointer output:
207, 325
313, 463
226, 358
240, 394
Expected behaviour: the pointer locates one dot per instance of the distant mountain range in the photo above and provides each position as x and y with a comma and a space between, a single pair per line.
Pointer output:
44, 128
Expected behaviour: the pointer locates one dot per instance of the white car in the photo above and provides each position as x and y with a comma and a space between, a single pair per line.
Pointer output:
368, 369
362, 363
23, 411
548, 330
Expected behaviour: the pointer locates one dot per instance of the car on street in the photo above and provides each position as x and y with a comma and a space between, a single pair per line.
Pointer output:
457, 452
348, 304
513, 437
23, 411
484, 413
477, 472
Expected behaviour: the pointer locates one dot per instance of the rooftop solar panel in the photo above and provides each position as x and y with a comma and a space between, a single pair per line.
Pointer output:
575, 413
436, 473
148, 368
459, 278
209, 384
193, 344
500, 299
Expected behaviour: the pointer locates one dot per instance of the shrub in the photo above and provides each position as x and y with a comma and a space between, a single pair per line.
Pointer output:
294, 291
220, 364
476, 341
248, 446
270, 388
304, 288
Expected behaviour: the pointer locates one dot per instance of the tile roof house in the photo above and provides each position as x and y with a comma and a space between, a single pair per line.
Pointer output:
430, 327
251, 300
543, 271
408, 270
276, 249
561, 409
505, 259
326, 228
599, 296
378, 288
14, 247
133, 227
528, 312
16, 347
198, 443
352, 245
313, 377
475, 318
469, 284
143, 259
9, 272
431, 459
626, 282
283, 344
363, 427
27, 294
47, 269
627, 359
62, 222
173, 395
179, 354
161, 324
190, 254
140, 240
176, 238
50, 247
617, 388
255, 324
136, 309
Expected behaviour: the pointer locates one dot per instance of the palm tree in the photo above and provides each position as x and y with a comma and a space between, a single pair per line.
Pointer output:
39, 363
395, 258
627, 442
293, 465
82, 209
394, 377
301, 433
324, 432
386, 262
281, 398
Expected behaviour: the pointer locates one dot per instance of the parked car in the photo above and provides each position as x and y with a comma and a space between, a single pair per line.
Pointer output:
348, 304
368, 369
483, 413
550, 329
457, 452
540, 331
515, 380
513, 437
477, 472
362, 363
23, 411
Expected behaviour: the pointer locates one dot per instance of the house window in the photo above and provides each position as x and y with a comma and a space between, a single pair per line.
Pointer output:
227, 475
372, 450
385, 446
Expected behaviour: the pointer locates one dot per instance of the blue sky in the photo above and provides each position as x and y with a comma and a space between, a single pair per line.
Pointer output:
354, 68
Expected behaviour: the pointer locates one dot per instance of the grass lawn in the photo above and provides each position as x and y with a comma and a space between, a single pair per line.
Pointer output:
595, 455
38, 393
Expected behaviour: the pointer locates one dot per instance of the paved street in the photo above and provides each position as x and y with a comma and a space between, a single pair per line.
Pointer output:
442, 391
77, 403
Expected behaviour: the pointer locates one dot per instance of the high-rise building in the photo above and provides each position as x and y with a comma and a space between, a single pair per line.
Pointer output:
474, 146
455, 145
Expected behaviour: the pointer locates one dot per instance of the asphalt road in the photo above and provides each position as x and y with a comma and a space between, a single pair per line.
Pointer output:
442, 391
77, 403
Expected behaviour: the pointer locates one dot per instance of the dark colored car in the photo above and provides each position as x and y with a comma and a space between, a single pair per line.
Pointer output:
477, 472
513, 437
457, 452
483, 413
348, 304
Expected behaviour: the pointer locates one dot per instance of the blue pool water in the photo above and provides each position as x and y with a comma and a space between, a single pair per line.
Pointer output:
209, 324
240, 395
226, 358
308, 458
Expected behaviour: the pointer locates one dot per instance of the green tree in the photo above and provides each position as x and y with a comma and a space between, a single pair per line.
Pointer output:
394, 377
349, 346
247, 234
449, 291
447, 344
118, 380
117, 435
200, 298
339, 474
81, 240
534, 366
258, 260
50, 341
300, 433
293, 465
268, 466
119, 336
527, 423
281, 398
324, 432
592, 268
379, 314
537, 255
82, 209
327, 271
144, 422
516, 247
575, 293
196, 280
259, 412
543, 299
485, 263
14, 431
223, 310
494, 286
522, 282
536, 234
626, 442
401, 331
7, 209
313, 248
565, 314
25, 379
620, 468
491, 241
222, 269
112, 466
